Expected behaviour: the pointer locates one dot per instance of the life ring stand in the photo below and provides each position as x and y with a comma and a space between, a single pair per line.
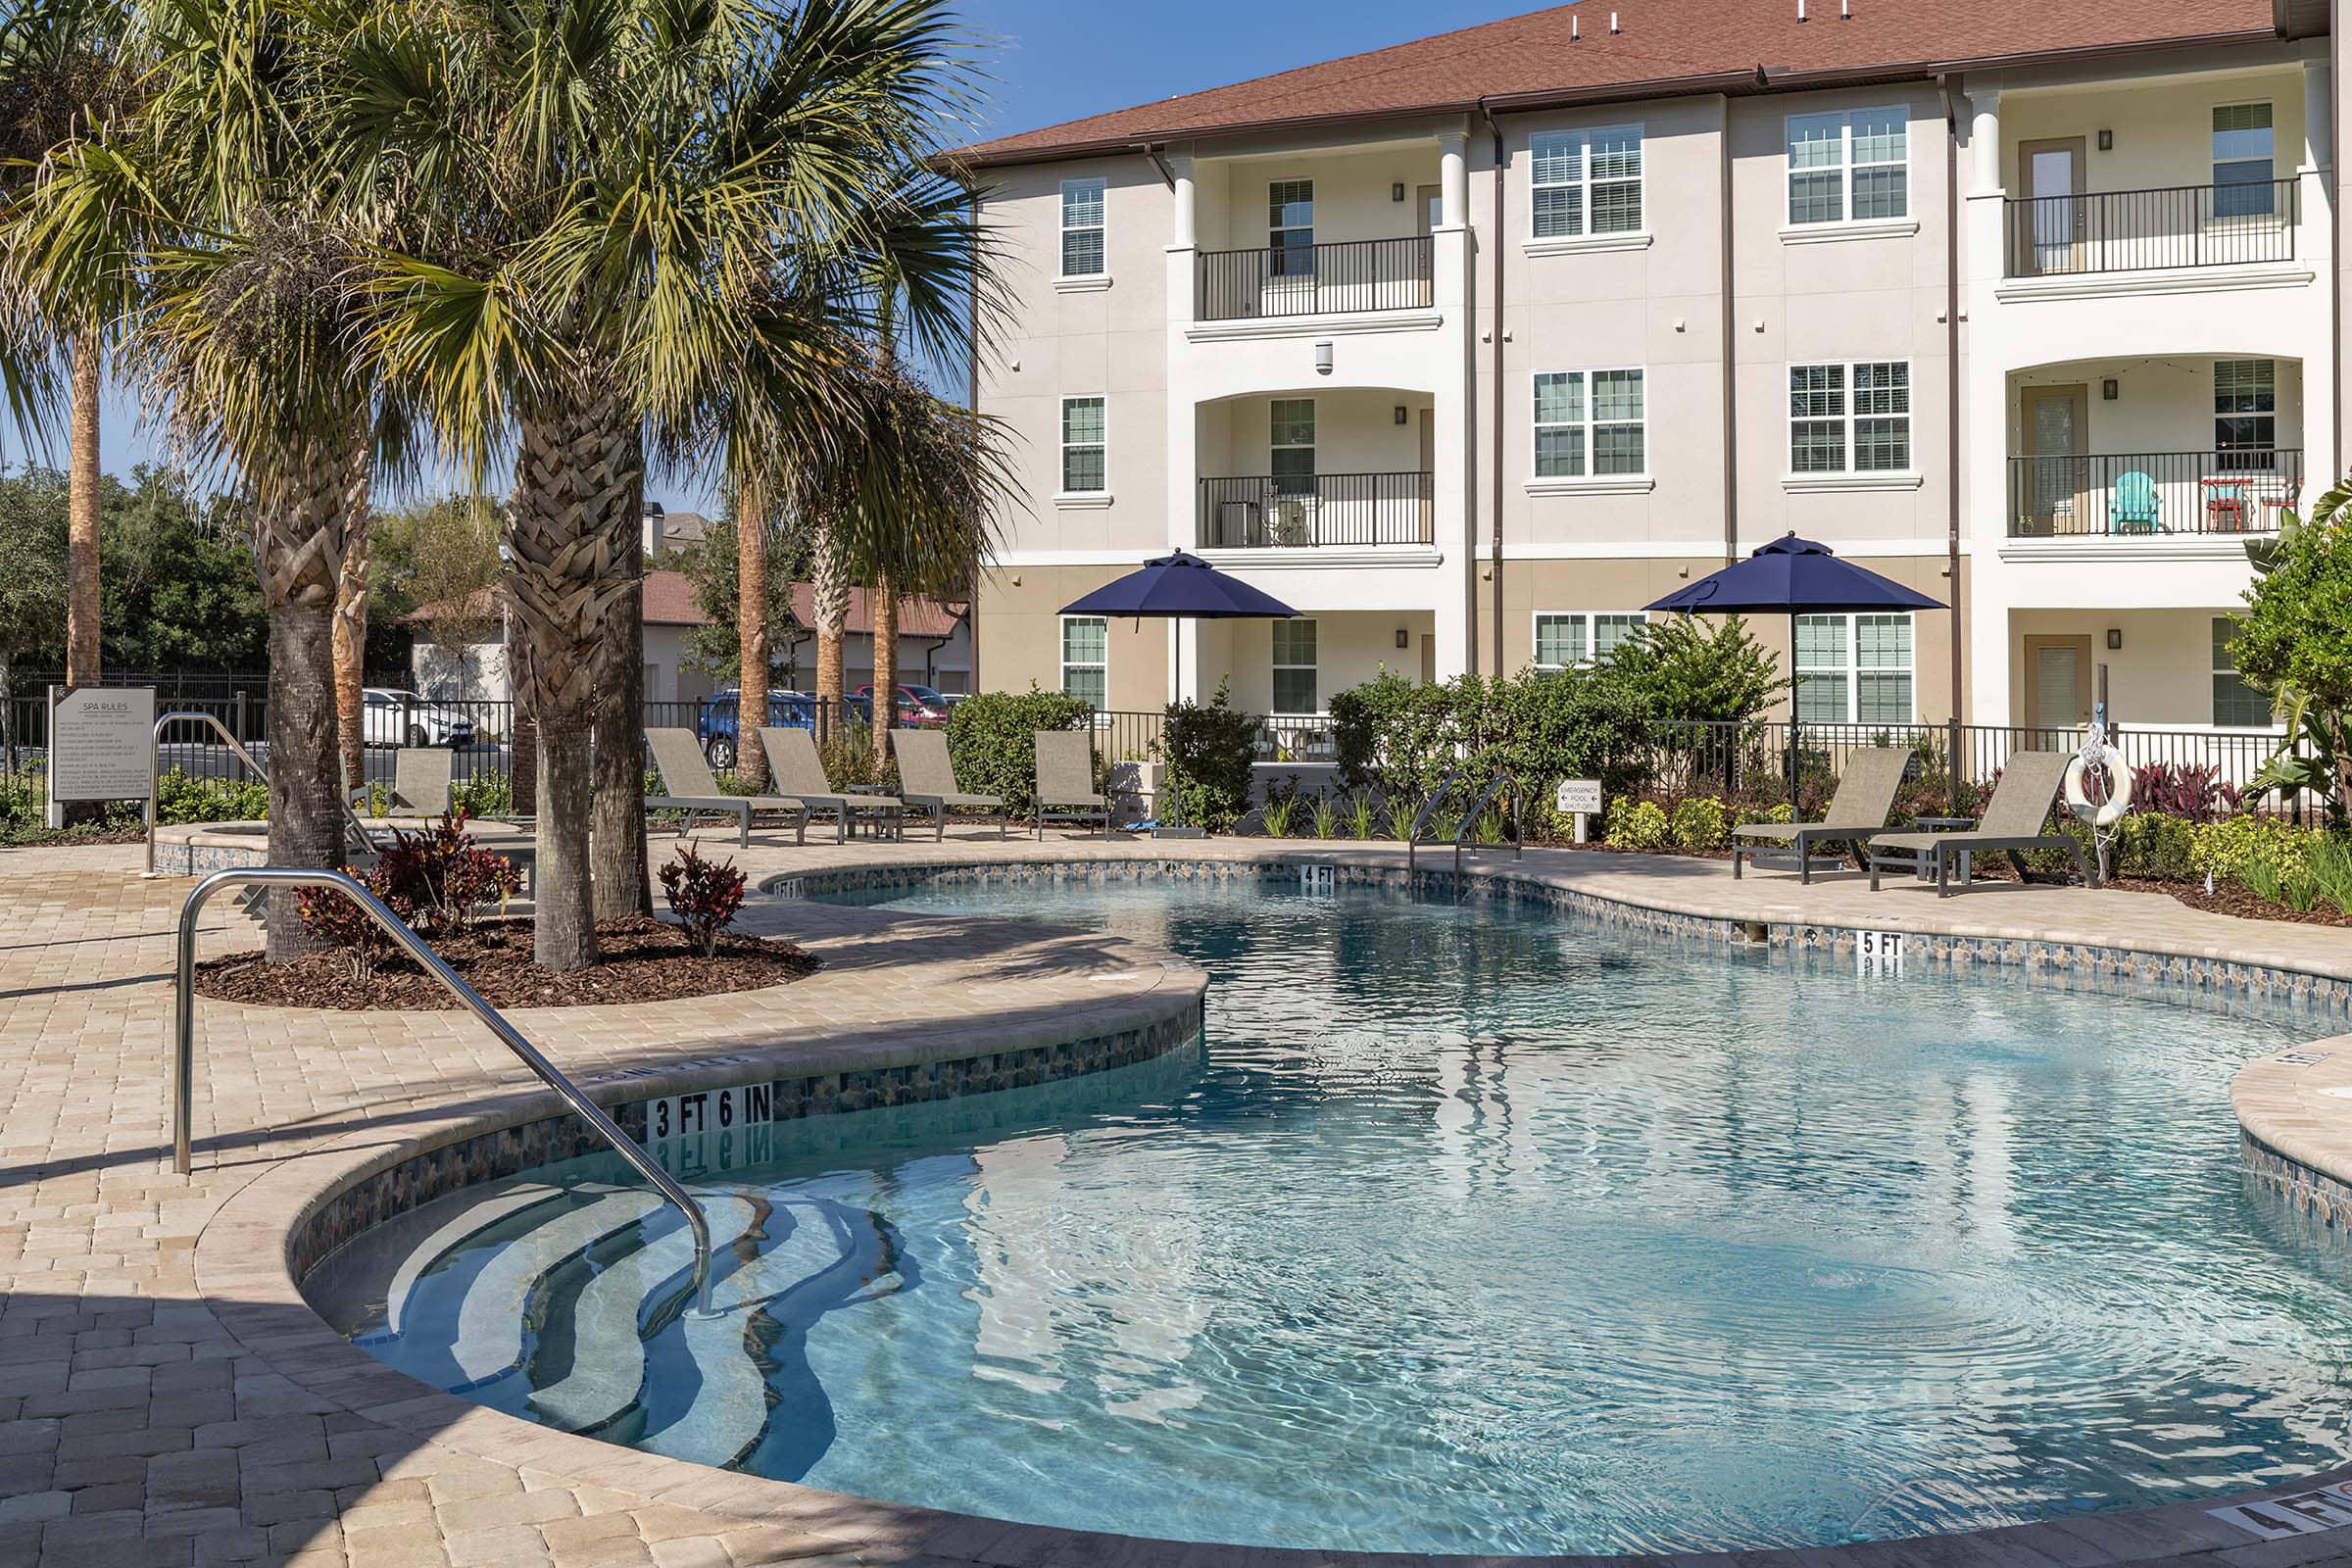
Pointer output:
2118, 796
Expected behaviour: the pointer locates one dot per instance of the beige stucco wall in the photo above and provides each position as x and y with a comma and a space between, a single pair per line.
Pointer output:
2163, 402
1020, 636
2163, 130
1351, 648
2162, 677
1354, 192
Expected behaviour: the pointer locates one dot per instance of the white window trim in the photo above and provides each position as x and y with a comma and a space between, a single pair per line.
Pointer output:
1061, 451
1073, 282
1586, 239
2213, 165
1850, 478
1849, 226
1273, 638
1535, 629
1853, 670
1061, 652
1587, 482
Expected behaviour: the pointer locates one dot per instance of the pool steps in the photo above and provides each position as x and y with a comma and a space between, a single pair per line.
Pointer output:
490, 1318
471, 1221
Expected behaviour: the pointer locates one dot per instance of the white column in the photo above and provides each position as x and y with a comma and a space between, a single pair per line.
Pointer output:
1453, 178
1985, 137
2317, 86
1182, 238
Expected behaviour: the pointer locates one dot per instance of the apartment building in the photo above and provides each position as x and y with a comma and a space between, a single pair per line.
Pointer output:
1470, 348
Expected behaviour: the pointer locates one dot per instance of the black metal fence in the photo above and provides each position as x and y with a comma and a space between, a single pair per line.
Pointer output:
2239, 491
1360, 274
1298, 511
2129, 231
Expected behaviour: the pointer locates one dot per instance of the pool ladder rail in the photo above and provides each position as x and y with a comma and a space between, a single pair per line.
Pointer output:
355, 831
1485, 798
183, 1019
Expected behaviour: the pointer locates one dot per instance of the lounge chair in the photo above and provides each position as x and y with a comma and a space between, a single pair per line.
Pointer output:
1066, 780
420, 782
678, 758
798, 771
927, 781
2013, 821
1865, 796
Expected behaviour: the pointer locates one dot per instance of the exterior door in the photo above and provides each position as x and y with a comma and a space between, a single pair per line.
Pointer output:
1429, 659
2052, 485
2057, 683
2052, 237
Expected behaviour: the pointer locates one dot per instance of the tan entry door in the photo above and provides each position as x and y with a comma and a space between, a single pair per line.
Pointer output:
2052, 498
2057, 683
2051, 239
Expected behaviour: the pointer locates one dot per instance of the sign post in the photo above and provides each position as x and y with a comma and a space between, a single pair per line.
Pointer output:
101, 745
1579, 798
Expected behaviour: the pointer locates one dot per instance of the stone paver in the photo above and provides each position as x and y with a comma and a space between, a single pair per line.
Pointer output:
143, 1420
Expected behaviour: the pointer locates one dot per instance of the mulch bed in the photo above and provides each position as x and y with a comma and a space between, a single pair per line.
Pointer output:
641, 960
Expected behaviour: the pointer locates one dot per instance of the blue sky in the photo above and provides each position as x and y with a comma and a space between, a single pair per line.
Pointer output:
1052, 60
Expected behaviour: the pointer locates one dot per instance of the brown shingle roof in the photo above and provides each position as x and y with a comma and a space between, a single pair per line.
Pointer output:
668, 602
917, 617
1663, 47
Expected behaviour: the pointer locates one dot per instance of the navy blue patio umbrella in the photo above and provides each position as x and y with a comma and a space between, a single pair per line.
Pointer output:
1180, 587
1794, 577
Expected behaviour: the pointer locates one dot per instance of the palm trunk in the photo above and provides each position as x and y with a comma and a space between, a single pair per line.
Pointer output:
566, 569
82, 593
829, 584
622, 887
750, 633
302, 526
886, 667
351, 655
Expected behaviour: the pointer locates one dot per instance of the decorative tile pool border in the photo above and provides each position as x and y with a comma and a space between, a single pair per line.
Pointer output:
508, 1151
2327, 1200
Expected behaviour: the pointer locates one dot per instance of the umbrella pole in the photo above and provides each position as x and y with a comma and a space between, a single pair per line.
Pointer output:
1795, 723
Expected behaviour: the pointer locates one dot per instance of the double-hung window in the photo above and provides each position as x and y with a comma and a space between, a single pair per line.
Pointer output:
2243, 161
1085, 469
1291, 227
1587, 182
1591, 422
1294, 666
1854, 670
1292, 442
2235, 705
1851, 165
1850, 418
1086, 659
1082, 227
1569, 638
2245, 412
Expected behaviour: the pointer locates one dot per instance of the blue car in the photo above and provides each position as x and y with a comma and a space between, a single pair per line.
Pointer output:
720, 721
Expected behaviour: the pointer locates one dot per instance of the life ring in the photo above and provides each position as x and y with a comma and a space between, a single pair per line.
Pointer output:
2119, 788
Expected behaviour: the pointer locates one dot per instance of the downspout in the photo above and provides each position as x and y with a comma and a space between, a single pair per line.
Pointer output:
2332, 190
1951, 396
1731, 351
1496, 440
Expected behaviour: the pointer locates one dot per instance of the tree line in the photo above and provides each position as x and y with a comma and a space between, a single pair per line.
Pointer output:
335, 245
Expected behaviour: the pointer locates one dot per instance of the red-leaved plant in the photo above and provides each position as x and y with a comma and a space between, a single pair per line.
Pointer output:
2195, 792
439, 875
337, 922
705, 896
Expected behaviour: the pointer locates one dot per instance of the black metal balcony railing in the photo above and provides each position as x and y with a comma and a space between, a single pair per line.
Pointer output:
2131, 230
1299, 512
1362, 275
2152, 493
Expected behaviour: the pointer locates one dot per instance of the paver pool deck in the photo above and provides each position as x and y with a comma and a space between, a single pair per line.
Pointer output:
166, 1400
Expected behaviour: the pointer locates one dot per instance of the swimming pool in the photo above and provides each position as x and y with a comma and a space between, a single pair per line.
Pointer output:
1467, 1229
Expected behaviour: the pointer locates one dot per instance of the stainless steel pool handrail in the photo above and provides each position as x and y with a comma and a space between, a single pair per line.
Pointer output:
184, 1023
1470, 819
350, 817
1429, 808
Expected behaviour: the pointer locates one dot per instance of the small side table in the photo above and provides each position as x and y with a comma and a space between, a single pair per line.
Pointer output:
1946, 825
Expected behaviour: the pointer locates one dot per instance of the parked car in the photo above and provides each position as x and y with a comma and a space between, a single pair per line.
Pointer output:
919, 707
721, 718
391, 716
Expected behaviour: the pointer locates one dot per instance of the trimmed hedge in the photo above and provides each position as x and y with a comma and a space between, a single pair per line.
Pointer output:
993, 738
1213, 746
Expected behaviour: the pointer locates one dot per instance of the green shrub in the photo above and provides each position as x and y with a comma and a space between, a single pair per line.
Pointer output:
993, 739
485, 794
1327, 818
2256, 851
2151, 844
1362, 817
1277, 815
1632, 824
1213, 749
180, 798
1702, 822
1401, 813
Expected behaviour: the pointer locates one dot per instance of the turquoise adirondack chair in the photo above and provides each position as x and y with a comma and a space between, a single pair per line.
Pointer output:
2135, 507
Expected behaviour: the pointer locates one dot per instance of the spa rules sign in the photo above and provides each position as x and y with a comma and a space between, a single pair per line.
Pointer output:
101, 743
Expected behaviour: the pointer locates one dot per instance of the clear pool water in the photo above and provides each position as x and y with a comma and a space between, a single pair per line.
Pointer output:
1472, 1229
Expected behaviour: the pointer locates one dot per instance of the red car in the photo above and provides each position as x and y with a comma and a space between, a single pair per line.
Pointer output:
919, 707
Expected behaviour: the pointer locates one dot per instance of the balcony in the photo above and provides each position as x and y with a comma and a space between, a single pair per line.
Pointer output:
1305, 512
2152, 493
2142, 231
1351, 276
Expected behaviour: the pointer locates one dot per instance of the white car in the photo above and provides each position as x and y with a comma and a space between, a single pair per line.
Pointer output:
393, 717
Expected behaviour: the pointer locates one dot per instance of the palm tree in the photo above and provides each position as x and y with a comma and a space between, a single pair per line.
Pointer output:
751, 630
62, 78
619, 187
